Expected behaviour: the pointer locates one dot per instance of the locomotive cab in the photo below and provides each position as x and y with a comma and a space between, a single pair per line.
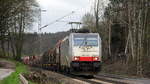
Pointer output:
85, 53
80, 53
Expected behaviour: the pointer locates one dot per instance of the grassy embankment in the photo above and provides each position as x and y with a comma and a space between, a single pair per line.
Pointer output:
14, 77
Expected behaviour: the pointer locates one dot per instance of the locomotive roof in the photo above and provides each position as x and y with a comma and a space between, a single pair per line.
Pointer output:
84, 33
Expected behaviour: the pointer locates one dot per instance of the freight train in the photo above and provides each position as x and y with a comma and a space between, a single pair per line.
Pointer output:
78, 53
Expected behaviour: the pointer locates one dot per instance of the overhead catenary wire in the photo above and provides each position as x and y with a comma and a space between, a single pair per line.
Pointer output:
72, 18
57, 20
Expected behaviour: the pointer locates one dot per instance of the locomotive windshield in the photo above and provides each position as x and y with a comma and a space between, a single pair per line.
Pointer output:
90, 40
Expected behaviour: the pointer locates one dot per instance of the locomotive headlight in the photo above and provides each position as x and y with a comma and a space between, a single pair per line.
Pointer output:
76, 58
95, 58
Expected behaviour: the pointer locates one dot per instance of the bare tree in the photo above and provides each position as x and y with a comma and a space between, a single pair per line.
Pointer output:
16, 16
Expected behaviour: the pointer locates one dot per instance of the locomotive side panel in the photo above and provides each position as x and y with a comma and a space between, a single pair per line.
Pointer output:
65, 55
57, 54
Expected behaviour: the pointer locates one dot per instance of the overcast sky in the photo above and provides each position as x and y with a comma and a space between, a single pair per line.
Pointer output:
58, 8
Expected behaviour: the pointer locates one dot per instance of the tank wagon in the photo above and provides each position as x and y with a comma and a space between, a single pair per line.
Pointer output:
78, 53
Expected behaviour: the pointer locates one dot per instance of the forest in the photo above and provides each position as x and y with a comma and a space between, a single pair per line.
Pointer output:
123, 26
125, 31
16, 17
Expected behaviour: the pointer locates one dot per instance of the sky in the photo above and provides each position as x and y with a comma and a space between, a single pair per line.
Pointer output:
56, 9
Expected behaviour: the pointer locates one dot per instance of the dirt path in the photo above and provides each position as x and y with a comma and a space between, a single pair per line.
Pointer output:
5, 72
6, 64
6, 68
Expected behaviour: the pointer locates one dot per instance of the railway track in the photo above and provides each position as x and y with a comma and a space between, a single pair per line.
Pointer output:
97, 79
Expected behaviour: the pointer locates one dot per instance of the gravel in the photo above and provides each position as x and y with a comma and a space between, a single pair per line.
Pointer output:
48, 77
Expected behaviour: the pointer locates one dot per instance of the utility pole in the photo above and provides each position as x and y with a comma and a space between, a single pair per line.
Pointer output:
39, 27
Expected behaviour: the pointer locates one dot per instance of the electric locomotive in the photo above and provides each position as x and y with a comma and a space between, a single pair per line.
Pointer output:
80, 53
